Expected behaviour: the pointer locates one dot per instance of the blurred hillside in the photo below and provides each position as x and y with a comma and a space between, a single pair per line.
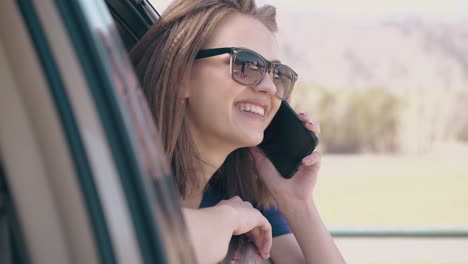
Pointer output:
380, 85
399, 54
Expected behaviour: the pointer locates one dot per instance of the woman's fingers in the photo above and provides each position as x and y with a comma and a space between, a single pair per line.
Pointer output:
262, 239
312, 159
313, 126
310, 124
251, 222
303, 116
260, 234
266, 238
267, 242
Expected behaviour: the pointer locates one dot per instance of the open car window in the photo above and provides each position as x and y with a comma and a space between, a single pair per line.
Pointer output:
83, 162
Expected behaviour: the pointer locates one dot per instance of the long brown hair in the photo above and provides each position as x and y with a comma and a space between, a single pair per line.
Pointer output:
163, 58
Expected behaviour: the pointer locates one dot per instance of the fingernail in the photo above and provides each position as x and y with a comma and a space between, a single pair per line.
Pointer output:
307, 160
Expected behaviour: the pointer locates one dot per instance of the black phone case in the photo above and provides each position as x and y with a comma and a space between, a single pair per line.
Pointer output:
287, 141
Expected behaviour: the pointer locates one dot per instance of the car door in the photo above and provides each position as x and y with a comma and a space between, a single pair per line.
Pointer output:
83, 174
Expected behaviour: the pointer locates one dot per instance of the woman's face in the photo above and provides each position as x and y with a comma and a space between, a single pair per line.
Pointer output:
218, 107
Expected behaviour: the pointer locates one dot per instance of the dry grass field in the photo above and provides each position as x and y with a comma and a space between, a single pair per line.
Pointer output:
396, 191
393, 190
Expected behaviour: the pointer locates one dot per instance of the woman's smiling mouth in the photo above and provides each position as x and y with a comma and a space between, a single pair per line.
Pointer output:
256, 109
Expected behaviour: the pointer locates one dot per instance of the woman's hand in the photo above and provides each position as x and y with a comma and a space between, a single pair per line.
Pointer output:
301, 185
251, 223
311, 243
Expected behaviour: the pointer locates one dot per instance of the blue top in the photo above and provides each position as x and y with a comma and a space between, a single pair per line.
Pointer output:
279, 225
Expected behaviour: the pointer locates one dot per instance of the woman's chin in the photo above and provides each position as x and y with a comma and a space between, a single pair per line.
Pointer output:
252, 141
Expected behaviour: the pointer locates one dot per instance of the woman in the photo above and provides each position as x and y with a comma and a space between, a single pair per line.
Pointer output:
210, 71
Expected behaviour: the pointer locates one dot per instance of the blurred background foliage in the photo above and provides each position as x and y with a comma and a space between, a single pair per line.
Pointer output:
353, 121
376, 120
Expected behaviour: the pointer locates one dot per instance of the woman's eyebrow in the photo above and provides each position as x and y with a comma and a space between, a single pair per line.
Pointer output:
276, 61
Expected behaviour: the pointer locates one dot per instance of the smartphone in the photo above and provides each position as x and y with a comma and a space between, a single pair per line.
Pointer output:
287, 141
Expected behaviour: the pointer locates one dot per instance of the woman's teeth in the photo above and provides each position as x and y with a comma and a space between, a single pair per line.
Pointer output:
252, 108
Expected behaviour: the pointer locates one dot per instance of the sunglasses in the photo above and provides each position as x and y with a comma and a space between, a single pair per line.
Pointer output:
249, 68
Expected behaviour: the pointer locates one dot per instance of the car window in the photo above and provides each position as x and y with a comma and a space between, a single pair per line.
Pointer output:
102, 160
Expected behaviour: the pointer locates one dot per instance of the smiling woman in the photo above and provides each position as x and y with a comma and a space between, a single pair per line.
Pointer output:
210, 71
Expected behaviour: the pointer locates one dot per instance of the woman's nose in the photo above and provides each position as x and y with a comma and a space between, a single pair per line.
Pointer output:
266, 85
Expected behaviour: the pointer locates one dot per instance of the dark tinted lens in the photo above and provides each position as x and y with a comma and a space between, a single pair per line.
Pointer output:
283, 78
248, 68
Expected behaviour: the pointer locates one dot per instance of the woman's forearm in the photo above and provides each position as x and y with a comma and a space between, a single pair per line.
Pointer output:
210, 230
315, 241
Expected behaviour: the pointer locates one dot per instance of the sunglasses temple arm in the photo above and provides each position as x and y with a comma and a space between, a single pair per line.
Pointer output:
212, 52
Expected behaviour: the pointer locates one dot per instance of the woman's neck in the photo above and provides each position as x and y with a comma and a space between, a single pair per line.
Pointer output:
210, 162
211, 152
206, 170
211, 156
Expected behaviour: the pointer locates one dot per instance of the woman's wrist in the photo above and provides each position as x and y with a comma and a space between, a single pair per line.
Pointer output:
291, 207
231, 218
314, 239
